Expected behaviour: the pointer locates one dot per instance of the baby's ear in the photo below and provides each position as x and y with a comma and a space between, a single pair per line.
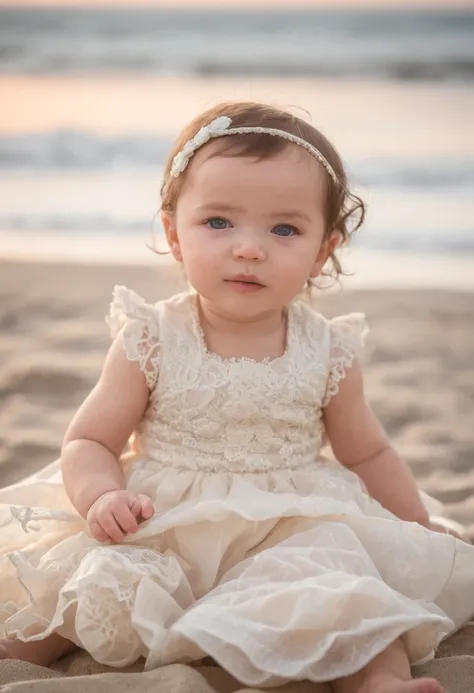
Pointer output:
334, 241
168, 219
328, 246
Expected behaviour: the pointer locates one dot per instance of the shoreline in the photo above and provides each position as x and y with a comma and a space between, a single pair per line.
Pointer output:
366, 268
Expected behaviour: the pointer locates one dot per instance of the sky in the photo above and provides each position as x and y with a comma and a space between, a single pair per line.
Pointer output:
240, 3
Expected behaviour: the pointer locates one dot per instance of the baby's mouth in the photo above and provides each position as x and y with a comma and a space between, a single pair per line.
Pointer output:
245, 284
245, 279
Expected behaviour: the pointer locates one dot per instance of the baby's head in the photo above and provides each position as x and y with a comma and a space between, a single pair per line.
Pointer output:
270, 206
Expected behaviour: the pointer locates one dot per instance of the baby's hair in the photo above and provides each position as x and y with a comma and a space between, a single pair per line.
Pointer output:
344, 210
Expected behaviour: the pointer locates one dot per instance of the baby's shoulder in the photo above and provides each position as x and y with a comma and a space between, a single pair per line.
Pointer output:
350, 328
145, 328
127, 306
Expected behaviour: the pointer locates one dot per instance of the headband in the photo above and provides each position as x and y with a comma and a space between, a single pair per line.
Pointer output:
221, 127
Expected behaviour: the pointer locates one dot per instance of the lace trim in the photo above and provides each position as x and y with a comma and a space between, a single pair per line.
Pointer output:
138, 324
347, 335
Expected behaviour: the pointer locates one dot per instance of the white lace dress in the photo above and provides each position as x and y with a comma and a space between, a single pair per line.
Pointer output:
261, 553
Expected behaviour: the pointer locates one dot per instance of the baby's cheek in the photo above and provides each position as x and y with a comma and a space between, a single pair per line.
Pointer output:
298, 264
202, 274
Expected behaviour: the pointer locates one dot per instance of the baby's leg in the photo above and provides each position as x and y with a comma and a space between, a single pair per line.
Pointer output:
42, 652
389, 672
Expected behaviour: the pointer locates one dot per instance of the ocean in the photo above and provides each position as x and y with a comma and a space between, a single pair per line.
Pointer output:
91, 100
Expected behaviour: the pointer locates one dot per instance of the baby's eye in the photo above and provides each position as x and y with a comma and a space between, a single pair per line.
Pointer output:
217, 223
285, 230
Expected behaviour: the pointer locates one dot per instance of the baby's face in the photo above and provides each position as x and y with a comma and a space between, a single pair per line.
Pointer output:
250, 233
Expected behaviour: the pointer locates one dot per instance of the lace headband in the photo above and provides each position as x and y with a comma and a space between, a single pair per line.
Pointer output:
221, 126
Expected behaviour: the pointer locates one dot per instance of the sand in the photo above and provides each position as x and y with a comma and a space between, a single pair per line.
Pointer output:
419, 380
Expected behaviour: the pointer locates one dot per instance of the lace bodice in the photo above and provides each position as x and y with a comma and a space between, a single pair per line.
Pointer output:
235, 415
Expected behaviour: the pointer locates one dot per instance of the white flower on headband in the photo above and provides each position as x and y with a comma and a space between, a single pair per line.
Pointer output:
214, 128
221, 126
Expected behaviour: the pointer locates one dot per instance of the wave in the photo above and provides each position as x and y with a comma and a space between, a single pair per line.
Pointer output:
399, 45
402, 69
69, 223
76, 151
65, 150
460, 241
431, 174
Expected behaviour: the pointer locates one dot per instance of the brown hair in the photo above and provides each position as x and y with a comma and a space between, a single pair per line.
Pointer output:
344, 210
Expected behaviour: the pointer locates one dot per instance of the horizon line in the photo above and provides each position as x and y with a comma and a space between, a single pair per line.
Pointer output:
382, 5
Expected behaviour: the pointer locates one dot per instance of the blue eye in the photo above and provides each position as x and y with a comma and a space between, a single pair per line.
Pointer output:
285, 230
217, 223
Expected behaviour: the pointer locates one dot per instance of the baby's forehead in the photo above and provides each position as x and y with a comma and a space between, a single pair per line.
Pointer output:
236, 148
221, 162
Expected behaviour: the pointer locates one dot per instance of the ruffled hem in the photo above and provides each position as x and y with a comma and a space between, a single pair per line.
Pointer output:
293, 559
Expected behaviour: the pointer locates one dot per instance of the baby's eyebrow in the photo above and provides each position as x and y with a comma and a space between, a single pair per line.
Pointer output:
221, 206
291, 214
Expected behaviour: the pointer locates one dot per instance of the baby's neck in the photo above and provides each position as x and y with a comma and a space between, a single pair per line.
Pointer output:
258, 338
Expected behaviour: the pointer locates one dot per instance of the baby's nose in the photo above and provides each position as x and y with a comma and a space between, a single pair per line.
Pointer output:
249, 248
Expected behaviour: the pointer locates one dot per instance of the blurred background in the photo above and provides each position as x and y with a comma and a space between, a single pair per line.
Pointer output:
90, 100
93, 93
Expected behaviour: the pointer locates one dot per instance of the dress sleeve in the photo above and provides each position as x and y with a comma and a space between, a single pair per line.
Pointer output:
347, 334
138, 324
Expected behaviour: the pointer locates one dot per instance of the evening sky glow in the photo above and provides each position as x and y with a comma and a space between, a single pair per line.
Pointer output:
261, 4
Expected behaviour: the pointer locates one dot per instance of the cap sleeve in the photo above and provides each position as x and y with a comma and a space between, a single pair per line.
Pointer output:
138, 323
347, 335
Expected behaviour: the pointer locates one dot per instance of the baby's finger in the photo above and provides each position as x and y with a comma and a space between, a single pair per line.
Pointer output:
136, 506
108, 523
125, 519
147, 508
97, 532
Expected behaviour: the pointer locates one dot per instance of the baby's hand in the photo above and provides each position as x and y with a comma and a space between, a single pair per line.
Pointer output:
117, 513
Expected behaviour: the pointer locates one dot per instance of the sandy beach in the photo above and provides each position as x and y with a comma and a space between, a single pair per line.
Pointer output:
419, 380
93, 99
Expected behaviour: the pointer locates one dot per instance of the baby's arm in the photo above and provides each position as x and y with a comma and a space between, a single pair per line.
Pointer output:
100, 430
359, 443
